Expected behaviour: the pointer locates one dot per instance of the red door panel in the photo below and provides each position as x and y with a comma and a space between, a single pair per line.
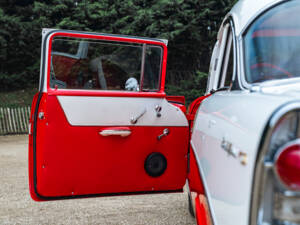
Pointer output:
67, 161
79, 161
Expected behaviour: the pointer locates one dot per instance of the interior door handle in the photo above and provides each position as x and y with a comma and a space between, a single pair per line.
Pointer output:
116, 131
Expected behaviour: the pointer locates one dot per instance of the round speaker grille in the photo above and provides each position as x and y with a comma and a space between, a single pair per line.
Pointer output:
155, 164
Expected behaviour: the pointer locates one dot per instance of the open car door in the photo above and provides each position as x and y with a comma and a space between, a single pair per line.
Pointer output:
101, 124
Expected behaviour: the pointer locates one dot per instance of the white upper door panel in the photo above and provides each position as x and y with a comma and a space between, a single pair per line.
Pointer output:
105, 111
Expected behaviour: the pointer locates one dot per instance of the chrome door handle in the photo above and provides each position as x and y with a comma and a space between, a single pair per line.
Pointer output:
115, 132
231, 150
134, 119
211, 123
228, 147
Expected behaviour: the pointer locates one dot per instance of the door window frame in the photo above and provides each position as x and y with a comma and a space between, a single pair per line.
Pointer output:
46, 64
229, 54
227, 35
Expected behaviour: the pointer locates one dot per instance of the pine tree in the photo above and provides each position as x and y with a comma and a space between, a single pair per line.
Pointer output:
189, 25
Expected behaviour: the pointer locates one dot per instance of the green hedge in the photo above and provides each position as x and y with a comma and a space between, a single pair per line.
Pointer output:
191, 88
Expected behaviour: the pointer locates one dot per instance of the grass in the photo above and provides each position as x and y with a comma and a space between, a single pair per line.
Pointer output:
17, 98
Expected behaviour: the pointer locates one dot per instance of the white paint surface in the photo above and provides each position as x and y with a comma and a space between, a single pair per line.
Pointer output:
239, 117
118, 111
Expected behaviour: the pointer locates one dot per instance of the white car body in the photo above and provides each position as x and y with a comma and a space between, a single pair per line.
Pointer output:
236, 117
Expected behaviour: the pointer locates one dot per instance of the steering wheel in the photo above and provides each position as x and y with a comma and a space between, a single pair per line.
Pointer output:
263, 77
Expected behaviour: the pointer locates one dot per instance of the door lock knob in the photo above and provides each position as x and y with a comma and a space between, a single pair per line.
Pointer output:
158, 110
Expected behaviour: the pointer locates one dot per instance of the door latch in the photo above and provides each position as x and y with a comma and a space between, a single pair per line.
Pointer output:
165, 133
41, 115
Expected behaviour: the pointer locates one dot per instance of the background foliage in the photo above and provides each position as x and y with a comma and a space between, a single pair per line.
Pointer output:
189, 25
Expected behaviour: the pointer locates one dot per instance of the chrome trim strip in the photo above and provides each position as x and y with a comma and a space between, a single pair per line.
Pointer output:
143, 67
243, 81
201, 172
235, 64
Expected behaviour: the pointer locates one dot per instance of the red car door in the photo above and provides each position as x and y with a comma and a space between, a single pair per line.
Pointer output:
100, 124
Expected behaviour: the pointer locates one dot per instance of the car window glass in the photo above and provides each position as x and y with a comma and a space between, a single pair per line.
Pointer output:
103, 65
152, 68
272, 44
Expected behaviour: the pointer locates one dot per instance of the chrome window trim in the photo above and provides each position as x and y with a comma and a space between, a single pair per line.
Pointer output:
226, 60
240, 63
223, 44
261, 167
243, 81
229, 28
235, 51
143, 67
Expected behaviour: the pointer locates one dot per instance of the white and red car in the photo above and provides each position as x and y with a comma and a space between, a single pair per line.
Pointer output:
102, 124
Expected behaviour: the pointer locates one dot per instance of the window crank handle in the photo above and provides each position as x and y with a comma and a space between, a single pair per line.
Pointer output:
165, 133
134, 120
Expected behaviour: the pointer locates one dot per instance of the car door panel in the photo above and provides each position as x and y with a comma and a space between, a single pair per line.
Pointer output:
84, 143
228, 180
77, 160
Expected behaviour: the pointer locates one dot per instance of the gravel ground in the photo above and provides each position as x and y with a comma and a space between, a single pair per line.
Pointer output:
16, 206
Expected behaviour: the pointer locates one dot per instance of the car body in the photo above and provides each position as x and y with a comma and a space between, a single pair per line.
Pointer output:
241, 129
102, 124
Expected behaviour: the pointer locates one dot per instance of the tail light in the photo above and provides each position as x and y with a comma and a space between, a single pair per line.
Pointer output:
287, 166
276, 187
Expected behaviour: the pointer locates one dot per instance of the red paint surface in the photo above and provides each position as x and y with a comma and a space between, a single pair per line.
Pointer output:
73, 160
195, 181
178, 101
104, 93
76, 160
287, 166
30, 149
201, 214
192, 110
